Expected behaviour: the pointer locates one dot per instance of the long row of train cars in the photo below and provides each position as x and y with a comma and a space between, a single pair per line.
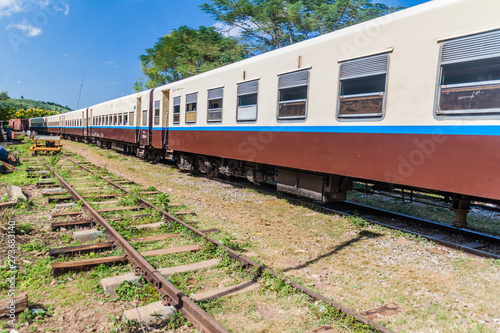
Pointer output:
411, 99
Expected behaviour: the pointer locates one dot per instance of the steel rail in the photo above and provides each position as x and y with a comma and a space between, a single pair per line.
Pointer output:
460, 231
247, 261
171, 295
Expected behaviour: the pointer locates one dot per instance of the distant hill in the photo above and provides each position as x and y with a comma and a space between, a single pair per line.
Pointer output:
29, 103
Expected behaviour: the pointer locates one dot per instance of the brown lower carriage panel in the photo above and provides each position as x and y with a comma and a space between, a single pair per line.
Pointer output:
118, 134
465, 164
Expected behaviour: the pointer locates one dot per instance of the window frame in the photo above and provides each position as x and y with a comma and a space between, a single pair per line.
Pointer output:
306, 100
176, 112
238, 95
131, 118
157, 117
215, 110
195, 111
144, 118
365, 116
489, 113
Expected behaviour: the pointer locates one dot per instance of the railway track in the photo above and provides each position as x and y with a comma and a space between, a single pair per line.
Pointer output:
463, 239
82, 182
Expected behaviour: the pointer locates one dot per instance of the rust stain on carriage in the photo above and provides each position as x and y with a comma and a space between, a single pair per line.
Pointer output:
451, 163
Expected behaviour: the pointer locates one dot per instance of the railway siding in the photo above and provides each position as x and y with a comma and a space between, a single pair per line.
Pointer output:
363, 267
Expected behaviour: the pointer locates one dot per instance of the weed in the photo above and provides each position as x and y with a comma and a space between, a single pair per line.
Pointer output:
33, 245
24, 205
54, 159
24, 228
281, 287
34, 315
140, 290
358, 221
151, 189
162, 200
129, 200
177, 320
327, 313
229, 242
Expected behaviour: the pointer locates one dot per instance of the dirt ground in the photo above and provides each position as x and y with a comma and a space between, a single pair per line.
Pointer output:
424, 287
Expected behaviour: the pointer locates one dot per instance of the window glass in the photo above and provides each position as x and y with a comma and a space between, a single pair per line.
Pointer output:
177, 109
119, 119
215, 105
470, 76
191, 101
144, 118
363, 84
157, 113
247, 101
125, 118
131, 117
293, 95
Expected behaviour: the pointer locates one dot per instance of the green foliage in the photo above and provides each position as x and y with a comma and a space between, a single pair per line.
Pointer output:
24, 227
177, 320
185, 52
33, 113
26, 104
37, 315
129, 200
4, 96
162, 201
140, 290
33, 245
271, 24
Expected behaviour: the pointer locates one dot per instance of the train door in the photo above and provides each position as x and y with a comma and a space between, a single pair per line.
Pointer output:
150, 117
165, 114
82, 122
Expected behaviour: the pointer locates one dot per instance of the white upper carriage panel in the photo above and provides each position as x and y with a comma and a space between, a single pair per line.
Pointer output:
385, 72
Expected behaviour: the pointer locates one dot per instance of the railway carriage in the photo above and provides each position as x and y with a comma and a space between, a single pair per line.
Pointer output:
411, 99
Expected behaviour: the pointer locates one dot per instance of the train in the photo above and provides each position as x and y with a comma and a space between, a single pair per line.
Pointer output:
19, 125
409, 100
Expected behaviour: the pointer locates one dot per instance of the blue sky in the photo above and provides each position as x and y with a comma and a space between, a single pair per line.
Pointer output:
47, 46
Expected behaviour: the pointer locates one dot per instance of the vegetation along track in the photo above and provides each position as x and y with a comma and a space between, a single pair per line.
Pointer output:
170, 294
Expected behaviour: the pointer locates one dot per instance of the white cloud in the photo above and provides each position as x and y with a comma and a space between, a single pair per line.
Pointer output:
9, 7
64, 8
27, 28
227, 30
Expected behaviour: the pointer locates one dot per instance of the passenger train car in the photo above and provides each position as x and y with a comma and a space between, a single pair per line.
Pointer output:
411, 99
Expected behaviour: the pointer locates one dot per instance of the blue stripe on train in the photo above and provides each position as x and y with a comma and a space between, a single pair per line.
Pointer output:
437, 130
489, 130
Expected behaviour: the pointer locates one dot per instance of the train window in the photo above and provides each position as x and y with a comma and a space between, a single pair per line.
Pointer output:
144, 117
469, 82
119, 119
157, 113
177, 110
125, 118
363, 83
215, 105
131, 116
107, 120
293, 95
247, 101
191, 100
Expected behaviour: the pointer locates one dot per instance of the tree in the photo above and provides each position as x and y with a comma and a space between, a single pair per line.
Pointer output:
33, 113
4, 96
185, 52
271, 24
7, 113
